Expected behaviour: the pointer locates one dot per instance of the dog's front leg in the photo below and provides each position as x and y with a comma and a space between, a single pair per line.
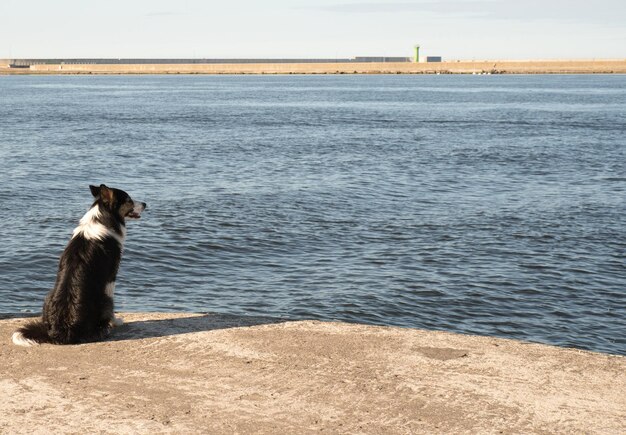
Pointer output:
110, 291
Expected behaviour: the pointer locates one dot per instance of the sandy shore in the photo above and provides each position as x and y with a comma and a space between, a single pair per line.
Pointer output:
184, 373
450, 67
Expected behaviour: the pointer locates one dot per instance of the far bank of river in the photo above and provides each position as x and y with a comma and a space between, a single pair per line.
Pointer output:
617, 66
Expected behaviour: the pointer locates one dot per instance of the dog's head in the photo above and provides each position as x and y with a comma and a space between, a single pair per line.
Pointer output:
118, 202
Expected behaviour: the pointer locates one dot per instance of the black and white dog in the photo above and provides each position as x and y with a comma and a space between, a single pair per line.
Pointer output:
80, 306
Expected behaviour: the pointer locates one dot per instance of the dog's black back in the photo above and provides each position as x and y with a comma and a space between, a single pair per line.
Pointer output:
78, 309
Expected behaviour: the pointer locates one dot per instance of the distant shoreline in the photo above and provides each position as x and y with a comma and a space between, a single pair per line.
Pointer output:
617, 66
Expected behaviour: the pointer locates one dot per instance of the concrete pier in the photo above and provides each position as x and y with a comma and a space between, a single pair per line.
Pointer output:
185, 373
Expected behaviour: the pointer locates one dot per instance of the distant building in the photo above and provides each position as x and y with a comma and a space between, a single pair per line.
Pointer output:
433, 58
26, 63
380, 59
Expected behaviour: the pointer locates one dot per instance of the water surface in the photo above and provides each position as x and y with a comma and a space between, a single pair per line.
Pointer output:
479, 204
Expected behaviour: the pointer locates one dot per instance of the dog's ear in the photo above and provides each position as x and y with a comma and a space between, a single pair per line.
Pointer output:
95, 191
106, 194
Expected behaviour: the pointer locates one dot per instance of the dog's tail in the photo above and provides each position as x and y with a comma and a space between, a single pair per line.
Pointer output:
31, 334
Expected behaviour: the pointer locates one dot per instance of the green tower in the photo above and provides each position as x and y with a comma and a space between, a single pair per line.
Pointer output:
417, 54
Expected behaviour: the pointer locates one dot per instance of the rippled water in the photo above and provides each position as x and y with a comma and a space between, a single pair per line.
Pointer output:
491, 204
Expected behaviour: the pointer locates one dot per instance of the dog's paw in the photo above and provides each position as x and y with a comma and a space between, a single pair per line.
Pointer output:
116, 321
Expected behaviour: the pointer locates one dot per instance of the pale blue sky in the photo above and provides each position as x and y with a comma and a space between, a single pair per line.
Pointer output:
454, 29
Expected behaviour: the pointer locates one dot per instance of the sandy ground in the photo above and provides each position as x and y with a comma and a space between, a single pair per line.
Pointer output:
449, 67
185, 373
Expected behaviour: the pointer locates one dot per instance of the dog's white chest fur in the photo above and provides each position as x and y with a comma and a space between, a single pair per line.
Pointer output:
91, 229
109, 289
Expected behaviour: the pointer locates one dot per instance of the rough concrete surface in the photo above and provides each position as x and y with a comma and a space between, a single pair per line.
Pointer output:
188, 373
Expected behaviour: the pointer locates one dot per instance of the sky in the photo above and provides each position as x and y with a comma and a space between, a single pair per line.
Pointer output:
453, 29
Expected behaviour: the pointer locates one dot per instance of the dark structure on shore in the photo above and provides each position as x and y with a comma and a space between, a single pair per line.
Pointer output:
25, 63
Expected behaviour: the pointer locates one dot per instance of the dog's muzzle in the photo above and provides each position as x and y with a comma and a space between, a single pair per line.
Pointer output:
138, 208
